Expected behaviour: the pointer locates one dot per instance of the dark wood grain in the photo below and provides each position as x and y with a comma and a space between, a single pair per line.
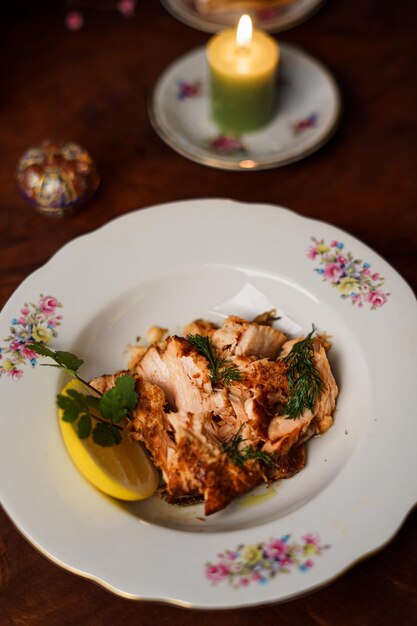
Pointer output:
92, 87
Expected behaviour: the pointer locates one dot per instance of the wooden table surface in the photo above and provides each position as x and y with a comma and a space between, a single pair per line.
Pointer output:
92, 86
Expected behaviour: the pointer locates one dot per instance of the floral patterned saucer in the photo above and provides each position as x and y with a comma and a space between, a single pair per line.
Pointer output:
272, 19
307, 114
274, 543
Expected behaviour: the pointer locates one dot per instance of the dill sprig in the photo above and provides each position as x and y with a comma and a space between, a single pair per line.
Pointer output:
305, 384
221, 370
239, 455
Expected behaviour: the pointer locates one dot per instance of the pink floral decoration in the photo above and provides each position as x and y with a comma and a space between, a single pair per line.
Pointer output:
352, 277
48, 304
36, 322
276, 548
305, 124
376, 298
333, 272
261, 562
215, 573
188, 90
227, 143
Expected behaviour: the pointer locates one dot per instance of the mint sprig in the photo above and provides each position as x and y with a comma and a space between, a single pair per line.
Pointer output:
65, 360
96, 415
99, 416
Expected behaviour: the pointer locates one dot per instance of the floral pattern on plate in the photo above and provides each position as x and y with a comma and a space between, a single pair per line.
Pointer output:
261, 562
305, 124
188, 89
309, 106
35, 322
228, 144
353, 278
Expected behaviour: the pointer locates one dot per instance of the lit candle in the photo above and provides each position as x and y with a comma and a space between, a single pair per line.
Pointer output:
243, 66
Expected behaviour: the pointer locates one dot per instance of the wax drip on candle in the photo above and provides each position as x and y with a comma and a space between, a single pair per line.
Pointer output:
244, 33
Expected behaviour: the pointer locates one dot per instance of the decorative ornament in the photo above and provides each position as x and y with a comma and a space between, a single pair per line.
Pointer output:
57, 176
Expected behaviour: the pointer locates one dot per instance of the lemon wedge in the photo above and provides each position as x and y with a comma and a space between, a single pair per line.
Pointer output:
123, 471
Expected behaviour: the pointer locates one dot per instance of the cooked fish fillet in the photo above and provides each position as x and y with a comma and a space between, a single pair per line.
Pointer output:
284, 433
201, 467
183, 375
240, 337
324, 408
200, 327
106, 381
190, 425
151, 425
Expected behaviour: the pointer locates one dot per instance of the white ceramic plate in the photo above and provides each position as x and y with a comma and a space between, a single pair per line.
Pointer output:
272, 20
307, 114
207, 258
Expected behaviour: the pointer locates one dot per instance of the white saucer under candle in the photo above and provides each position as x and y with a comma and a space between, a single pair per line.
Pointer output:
307, 113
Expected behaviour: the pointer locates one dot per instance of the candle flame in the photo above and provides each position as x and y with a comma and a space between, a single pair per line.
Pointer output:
244, 32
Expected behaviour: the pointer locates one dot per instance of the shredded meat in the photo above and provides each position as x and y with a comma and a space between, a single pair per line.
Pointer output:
209, 439
240, 337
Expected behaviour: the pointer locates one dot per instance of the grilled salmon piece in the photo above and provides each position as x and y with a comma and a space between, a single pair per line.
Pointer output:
201, 467
286, 465
268, 384
151, 425
225, 481
187, 468
192, 429
283, 432
260, 395
188, 375
180, 371
106, 381
183, 375
152, 368
324, 408
240, 337
200, 327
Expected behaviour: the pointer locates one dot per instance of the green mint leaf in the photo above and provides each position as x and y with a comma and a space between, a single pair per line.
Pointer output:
68, 360
79, 398
71, 409
127, 389
93, 402
54, 365
83, 426
41, 349
106, 435
111, 405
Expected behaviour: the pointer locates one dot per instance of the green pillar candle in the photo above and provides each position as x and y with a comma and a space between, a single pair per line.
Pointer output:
243, 78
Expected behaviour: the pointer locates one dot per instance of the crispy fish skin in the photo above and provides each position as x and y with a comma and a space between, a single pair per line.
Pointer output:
200, 466
151, 426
